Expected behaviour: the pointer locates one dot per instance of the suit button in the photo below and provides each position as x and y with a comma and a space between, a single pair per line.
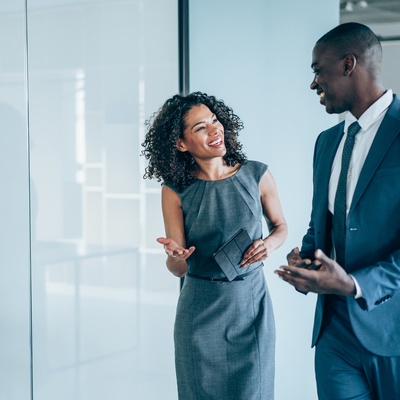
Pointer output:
383, 299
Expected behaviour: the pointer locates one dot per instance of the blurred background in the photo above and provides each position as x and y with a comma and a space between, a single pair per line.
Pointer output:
86, 303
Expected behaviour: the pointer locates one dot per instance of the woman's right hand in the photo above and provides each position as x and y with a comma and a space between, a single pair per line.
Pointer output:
175, 251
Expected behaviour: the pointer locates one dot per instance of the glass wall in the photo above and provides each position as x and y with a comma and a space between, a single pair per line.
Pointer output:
102, 301
14, 207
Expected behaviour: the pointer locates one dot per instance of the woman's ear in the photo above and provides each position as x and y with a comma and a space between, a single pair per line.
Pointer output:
350, 62
180, 145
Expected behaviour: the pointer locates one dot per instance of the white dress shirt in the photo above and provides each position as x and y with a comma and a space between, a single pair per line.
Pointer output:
370, 122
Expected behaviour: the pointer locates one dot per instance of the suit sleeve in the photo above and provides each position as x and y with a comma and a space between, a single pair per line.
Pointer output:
373, 237
379, 282
308, 245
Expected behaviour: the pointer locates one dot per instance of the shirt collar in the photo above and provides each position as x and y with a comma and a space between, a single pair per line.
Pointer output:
372, 113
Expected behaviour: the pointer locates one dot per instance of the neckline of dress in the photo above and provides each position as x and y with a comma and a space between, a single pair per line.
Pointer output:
223, 179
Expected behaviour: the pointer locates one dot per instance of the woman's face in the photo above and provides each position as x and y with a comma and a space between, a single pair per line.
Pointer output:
203, 136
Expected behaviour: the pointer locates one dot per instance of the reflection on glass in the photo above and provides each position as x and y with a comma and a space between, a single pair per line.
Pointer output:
103, 302
14, 207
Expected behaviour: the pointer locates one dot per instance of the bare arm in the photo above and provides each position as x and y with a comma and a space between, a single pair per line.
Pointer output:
174, 243
275, 219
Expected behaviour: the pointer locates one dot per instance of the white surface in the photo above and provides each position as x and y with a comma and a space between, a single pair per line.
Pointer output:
256, 55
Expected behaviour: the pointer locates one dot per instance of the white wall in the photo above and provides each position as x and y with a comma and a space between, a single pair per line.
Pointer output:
390, 65
256, 55
391, 53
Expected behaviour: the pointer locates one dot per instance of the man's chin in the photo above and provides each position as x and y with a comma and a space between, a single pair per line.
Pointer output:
331, 110
323, 102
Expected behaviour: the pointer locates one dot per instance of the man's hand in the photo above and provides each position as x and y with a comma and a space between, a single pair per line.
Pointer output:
293, 257
330, 278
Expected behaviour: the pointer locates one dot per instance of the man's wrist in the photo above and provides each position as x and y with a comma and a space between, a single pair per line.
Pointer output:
357, 289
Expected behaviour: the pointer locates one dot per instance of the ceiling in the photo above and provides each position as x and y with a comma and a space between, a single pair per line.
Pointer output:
382, 16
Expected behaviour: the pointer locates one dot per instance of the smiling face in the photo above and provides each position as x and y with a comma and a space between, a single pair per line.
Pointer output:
331, 79
203, 134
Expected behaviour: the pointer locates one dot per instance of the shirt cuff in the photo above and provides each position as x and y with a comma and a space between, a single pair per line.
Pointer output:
359, 292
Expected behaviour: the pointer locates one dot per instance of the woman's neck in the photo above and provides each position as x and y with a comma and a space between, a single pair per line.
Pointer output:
215, 170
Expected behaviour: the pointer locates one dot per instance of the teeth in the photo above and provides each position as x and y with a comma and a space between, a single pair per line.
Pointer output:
218, 141
322, 95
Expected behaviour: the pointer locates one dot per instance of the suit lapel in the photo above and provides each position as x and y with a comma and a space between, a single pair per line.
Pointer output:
325, 155
327, 151
387, 132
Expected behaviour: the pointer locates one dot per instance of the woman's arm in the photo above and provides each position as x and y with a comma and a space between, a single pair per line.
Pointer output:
174, 243
272, 211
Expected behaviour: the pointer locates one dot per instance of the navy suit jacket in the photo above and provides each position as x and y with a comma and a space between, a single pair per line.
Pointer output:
373, 234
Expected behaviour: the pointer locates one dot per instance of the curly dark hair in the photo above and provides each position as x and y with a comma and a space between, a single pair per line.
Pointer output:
167, 125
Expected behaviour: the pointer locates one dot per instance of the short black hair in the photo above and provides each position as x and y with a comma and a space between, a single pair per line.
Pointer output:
357, 39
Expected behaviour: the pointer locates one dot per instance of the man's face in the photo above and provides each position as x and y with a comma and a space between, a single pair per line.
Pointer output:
330, 80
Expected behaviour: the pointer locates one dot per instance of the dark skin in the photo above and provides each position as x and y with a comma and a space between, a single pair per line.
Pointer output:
348, 82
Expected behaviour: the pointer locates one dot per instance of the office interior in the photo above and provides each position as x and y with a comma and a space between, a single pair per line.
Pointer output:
86, 303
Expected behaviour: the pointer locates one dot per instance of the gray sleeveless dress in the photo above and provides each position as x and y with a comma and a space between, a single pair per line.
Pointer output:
224, 331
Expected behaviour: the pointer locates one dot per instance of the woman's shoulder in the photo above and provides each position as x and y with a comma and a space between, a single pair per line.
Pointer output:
178, 191
255, 168
170, 185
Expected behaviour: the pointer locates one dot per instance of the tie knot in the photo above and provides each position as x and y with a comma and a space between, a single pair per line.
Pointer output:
353, 129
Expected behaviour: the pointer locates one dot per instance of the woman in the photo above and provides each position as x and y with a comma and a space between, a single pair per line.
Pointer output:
224, 329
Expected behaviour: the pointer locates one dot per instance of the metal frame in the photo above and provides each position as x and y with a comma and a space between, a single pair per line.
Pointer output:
183, 28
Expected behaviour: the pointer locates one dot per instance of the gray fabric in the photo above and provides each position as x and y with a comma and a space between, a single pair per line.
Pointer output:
224, 331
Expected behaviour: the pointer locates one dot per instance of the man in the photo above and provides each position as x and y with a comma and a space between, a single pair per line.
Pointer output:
350, 254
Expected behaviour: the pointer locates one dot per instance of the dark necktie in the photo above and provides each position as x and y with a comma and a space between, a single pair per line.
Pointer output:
339, 213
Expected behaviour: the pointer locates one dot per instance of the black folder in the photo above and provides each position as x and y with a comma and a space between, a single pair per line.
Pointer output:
229, 255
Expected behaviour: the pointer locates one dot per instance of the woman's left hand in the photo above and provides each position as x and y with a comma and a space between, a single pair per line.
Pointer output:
258, 251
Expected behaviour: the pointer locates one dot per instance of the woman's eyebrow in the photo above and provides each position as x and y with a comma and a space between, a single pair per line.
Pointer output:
202, 122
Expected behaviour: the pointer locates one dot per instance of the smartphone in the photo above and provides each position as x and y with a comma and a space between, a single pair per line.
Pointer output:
311, 265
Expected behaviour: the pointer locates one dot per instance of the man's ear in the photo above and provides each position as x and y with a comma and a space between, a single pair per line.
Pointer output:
350, 62
180, 145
